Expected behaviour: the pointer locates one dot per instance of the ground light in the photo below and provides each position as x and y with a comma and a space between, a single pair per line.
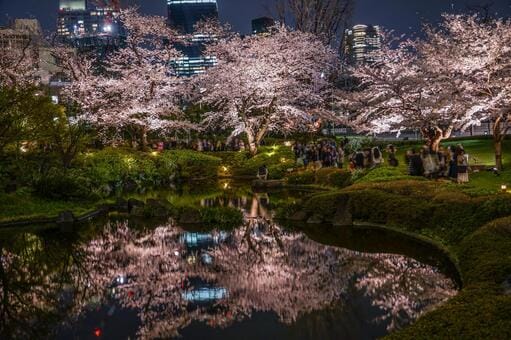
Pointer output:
154, 153
503, 188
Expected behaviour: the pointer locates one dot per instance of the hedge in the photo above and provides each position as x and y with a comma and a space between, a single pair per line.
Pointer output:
476, 232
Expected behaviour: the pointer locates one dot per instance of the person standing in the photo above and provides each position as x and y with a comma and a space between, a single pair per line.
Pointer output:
462, 163
391, 150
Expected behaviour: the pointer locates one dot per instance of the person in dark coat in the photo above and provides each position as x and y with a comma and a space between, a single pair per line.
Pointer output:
415, 166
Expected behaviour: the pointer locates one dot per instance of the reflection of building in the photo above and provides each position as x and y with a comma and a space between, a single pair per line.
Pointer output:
183, 15
88, 25
361, 43
262, 25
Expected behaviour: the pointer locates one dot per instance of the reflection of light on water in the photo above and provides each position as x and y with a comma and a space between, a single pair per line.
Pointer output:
205, 294
256, 267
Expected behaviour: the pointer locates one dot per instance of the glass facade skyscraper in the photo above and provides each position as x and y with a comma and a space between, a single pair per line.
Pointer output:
361, 43
88, 25
183, 15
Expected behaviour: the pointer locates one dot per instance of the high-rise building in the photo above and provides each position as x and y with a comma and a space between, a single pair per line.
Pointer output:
26, 35
361, 44
183, 15
262, 25
87, 25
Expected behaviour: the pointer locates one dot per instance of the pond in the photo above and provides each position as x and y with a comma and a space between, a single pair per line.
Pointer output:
125, 278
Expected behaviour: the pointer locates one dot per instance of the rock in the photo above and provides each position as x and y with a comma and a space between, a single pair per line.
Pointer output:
66, 217
342, 218
65, 221
315, 219
506, 285
260, 184
138, 211
122, 205
298, 216
157, 208
132, 203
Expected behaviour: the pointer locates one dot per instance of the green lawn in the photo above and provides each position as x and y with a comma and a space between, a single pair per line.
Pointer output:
481, 153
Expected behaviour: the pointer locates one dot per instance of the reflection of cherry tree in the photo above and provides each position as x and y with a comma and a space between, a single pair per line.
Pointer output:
258, 268
402, 288
35, 277
265, 269
145, 272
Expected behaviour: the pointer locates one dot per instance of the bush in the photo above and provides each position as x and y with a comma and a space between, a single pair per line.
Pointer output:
58, 184
333, 177
193, 164
486, 254
301, 178
274, 157
384, 173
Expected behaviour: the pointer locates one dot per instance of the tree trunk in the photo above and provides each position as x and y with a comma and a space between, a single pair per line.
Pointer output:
143, 139
498, 153
434, 136
252, 142
498, 137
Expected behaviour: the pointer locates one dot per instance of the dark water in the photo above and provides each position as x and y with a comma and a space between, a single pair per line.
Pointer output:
127, 279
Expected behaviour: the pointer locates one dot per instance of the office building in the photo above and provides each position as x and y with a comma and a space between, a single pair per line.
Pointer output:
183, 15
26, 35
362, 43
88, 25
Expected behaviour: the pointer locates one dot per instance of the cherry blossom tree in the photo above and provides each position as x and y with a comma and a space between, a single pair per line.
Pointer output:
136, 89
478, 49
408, 89
265, 84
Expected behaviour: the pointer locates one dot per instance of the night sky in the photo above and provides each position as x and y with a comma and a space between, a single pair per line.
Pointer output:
403, 16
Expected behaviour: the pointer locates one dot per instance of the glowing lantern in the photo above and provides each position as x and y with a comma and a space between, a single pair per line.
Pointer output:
98, 332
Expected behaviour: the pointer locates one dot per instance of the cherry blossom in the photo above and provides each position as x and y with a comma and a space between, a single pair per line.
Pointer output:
265, 84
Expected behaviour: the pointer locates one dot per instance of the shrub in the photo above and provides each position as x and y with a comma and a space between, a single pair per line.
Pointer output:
301, 178
486, 254
58, 184
194, 165
273, 157
384, 173
333, 177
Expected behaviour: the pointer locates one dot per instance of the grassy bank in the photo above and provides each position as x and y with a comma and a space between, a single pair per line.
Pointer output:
475, 229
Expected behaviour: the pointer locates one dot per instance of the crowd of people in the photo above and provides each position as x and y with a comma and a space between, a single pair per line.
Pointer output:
451, 162
325, 153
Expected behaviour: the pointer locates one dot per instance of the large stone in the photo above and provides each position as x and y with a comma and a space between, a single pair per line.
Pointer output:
298, 216
121, 205
342, 218
270, 184
66, 217
132, 203
138, 211
157, 208
65, 221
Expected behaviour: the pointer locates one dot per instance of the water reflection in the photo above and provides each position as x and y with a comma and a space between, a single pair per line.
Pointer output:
159, 282
171, 277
